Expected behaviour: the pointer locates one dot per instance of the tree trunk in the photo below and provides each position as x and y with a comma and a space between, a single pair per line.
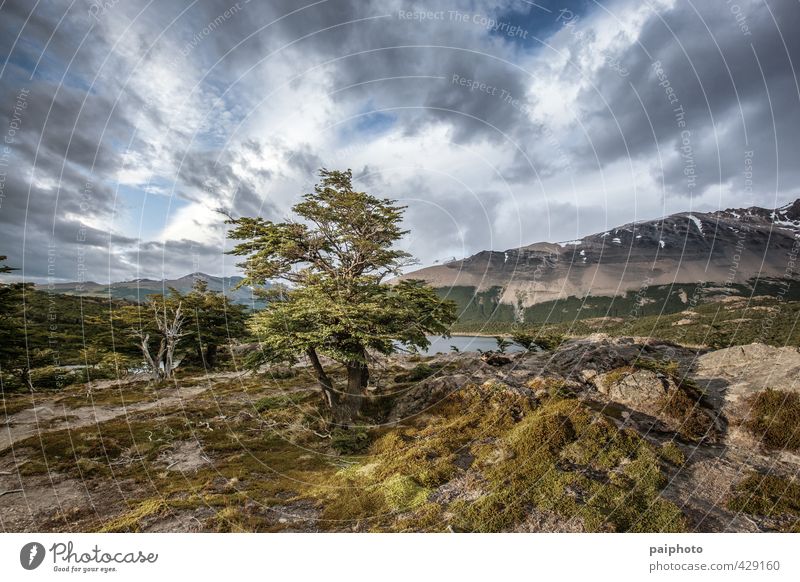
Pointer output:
351, 400
324, 381
155, 365
211, 355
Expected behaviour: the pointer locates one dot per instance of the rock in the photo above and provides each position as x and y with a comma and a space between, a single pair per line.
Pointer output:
642, 390
740, 371
495, 359
678, 408
425, 394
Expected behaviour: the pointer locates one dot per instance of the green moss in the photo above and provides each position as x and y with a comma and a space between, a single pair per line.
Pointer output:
91, 468
403, 492
617, 374
770, 496
602, 446
566, 459
672, 453
774, 419
276, 402
428, 517
669, 368
350, 441
684, 407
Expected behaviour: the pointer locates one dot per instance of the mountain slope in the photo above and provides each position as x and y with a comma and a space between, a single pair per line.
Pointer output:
725, 247
139, 289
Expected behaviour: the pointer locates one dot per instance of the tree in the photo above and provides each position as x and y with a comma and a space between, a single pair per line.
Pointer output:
13, 349
525, 340
5, 268
212, 321
162, 319
502, 344
334, 300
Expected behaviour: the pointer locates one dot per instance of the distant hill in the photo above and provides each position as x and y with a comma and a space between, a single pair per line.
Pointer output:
729, 250
139, 289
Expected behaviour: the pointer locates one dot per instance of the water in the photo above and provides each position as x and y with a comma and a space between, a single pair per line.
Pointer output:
464, 343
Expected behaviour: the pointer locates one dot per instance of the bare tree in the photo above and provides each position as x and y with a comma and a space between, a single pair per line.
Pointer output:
166, 324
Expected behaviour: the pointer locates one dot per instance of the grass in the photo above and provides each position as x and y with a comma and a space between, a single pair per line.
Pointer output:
131, 521
557, 456
774, 419
514, 453
567, 460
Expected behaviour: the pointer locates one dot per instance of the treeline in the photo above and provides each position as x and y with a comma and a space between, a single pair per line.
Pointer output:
49, 340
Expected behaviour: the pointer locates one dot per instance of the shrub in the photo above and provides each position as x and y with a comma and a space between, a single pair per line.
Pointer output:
417, 373
54, 378
768, 495
350, 441
775, 419
694, 425
671, 453
550, 341
524, 340
502, 344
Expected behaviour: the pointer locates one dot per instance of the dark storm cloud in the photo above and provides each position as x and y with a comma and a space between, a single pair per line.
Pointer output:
730, 85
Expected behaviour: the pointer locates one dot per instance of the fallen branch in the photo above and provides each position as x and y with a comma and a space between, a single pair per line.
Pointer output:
10, 491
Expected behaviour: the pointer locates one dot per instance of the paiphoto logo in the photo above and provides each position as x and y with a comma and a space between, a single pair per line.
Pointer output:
31, 555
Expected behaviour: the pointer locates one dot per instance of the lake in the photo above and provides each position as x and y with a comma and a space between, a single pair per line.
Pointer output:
464, 343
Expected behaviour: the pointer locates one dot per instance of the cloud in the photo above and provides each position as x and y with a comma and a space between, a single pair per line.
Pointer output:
499, 123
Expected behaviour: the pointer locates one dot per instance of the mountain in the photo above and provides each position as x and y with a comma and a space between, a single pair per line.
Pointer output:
729, 247
139, 289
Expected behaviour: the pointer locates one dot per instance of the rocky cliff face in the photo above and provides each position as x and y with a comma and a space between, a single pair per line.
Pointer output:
730, 246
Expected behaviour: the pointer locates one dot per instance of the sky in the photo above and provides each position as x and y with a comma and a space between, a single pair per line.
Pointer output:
128, 125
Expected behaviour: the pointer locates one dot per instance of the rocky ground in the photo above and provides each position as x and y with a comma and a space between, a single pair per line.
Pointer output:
599, 434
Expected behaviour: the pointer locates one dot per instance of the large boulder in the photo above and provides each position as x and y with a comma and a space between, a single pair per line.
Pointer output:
425, 394
678, 408
740, 371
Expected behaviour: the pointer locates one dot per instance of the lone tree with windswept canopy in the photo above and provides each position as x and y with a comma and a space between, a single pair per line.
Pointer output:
334, 301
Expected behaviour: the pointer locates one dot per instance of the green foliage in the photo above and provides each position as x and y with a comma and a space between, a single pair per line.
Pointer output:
53, 378
350, 441
549, 341
672, 453
502, 344
417, 373
403, 492
336, 257
14, 364
212, 321
523, 339
620, 493
684, 406
774, 419
5, 268
768, 495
